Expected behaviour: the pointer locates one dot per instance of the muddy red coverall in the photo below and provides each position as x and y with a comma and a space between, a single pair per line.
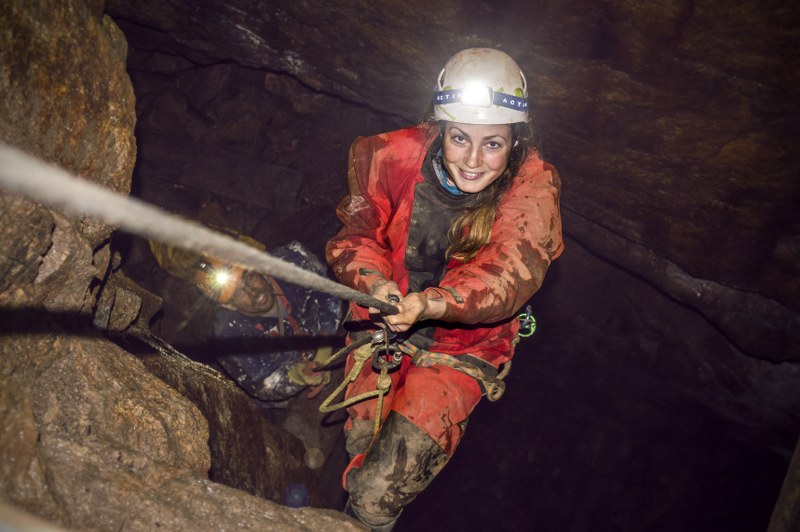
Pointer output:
395, 222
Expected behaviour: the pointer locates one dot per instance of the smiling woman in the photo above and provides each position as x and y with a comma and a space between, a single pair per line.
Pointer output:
475, 155
457, 221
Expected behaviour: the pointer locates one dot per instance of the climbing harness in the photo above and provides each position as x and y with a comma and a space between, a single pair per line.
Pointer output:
386, 355
363, 349
386, 351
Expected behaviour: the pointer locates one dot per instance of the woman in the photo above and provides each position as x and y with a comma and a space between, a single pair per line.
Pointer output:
458, 219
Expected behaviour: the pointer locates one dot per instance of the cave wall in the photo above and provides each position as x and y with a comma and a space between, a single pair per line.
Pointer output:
91, 438
75, 110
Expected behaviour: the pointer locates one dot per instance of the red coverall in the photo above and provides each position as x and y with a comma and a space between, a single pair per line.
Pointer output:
387, 173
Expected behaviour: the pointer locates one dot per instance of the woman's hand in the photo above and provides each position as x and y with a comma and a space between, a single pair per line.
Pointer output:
413, 308
381, 290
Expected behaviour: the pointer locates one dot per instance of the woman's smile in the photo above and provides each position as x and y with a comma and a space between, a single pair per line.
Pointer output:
470, 176
475, 155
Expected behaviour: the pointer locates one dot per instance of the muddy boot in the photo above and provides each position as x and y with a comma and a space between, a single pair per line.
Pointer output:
401, 463
387, 527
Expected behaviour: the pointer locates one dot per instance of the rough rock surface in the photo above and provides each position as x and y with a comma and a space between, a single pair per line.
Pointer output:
64, 105
262, 460
91, 439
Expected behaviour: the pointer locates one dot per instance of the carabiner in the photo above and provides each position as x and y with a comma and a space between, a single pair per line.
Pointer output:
385, 353
527, 323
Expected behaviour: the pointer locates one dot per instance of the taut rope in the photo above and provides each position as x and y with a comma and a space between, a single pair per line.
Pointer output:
51, 185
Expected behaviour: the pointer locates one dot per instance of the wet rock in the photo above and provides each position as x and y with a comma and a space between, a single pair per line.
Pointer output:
247, 451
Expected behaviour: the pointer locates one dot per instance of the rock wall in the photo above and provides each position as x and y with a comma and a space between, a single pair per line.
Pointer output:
73, 108
90, 438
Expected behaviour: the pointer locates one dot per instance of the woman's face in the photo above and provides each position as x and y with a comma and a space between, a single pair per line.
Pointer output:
475, 155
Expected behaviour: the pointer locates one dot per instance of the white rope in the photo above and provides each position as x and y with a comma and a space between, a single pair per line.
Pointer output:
51, 185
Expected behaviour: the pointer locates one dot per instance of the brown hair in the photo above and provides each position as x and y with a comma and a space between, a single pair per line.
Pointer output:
473, 229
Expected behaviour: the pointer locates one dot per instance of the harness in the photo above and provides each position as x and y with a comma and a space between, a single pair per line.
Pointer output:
385, 351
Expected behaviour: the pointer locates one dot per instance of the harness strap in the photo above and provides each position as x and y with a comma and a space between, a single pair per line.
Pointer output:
361, 353
489, 379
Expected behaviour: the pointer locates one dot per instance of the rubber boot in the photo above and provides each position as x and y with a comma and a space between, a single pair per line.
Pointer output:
398, 466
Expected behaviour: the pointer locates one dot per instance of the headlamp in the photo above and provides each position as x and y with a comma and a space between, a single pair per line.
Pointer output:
217, 278
220, 278
475, 95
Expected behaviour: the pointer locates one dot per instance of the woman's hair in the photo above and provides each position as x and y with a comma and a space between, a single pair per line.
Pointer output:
473, 229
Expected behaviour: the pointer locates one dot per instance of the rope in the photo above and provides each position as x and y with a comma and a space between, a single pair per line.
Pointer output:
365, 348
53, 186
362, 353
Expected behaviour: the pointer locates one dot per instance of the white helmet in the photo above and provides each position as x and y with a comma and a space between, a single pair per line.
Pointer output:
481, 86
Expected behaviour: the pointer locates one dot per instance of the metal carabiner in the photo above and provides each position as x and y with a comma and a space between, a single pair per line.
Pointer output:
527, 323
385, 352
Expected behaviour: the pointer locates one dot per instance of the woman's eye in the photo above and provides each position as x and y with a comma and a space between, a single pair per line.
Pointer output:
494, 145
457, 139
